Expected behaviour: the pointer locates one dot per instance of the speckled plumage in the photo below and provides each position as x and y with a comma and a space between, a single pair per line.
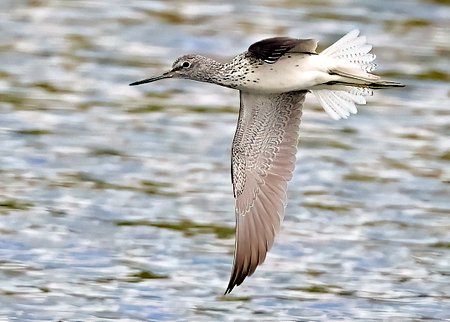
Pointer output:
263, 159
273, 77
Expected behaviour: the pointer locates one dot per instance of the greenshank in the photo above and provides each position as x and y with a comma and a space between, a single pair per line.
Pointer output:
273, 76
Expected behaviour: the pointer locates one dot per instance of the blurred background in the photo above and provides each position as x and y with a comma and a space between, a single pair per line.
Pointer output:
116, 201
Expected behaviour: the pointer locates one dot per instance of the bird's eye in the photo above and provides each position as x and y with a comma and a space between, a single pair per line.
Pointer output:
186, 64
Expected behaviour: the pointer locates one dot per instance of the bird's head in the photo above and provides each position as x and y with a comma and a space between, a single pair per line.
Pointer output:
193, 67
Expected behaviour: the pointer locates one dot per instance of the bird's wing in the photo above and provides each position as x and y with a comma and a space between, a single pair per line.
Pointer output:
271, 49
262, 162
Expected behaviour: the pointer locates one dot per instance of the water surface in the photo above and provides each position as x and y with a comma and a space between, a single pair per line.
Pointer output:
116, 202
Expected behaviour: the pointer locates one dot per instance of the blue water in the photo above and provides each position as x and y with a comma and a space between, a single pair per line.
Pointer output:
116, 201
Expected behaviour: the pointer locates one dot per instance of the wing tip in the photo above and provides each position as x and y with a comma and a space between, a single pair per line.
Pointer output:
230, 287
236, 279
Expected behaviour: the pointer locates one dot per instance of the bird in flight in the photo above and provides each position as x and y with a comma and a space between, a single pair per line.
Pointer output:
273, 76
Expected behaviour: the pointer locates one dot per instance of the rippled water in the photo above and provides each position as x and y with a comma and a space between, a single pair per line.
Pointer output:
116, 202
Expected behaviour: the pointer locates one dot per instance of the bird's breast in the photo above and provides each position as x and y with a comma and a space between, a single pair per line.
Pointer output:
290, 73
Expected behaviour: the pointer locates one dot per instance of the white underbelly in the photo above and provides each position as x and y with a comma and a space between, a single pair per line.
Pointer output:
301, 72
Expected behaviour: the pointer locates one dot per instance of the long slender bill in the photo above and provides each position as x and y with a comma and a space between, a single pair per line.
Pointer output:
153, 79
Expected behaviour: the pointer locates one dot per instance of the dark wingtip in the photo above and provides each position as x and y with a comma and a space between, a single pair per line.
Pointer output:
385, 84
230, 287
236, 279
232, 283
396, 84
238, 276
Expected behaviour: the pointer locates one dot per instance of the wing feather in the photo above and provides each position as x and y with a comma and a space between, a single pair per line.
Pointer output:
271, 49
263, 159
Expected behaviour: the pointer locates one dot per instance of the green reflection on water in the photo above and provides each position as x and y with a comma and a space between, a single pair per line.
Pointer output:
145, 186
105, 152
230, 298
445, 245
33, 132
14, 204
322, 206
188, 227
144, 275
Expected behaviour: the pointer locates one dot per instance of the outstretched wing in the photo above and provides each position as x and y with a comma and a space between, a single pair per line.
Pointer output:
263, 159
271, 49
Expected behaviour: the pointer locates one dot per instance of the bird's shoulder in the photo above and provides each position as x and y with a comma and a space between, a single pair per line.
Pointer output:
271, 49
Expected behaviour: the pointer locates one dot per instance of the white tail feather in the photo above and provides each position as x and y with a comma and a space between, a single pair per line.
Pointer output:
339, 103
353, 60
352, 49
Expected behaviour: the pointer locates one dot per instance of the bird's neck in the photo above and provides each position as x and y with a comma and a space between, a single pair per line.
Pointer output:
224, 74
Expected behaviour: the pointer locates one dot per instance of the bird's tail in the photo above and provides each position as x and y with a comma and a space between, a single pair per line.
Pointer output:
352, 66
